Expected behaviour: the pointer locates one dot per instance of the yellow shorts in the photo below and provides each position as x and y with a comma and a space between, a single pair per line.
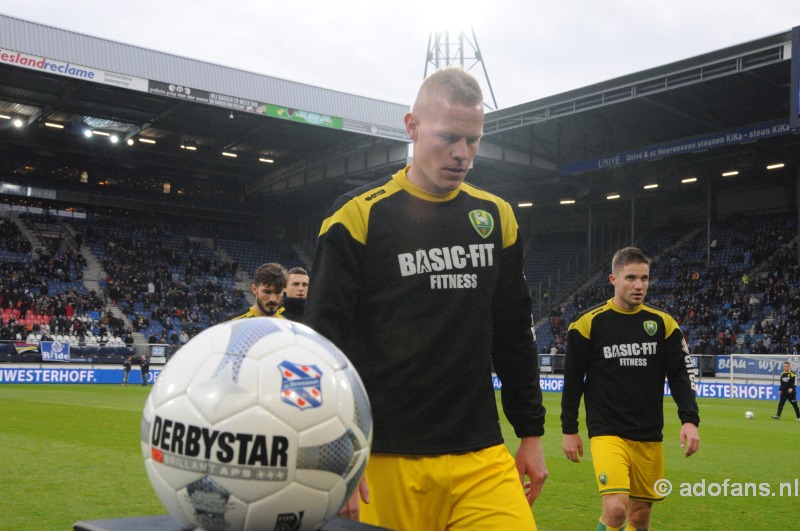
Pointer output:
629, 467
470, 492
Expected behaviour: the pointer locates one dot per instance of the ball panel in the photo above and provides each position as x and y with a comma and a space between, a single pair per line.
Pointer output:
256, 338
295, 507
333, 455
224, 386
182, 367
322, 433
318, 479
211, 507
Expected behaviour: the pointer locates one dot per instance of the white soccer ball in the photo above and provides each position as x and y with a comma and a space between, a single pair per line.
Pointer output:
256, 423
748, 414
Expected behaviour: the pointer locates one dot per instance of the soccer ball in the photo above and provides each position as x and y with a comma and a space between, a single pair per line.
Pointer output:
748, 414
256, 423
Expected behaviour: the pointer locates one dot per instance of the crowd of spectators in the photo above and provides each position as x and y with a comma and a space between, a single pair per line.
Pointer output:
32, 309
12, 238
744, 300
29, 308
170, 287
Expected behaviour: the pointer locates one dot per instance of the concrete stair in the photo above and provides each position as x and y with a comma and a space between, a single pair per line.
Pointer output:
23, 228
242, 279
92, 275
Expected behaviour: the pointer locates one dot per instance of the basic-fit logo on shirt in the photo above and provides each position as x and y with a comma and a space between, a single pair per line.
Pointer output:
631, 354
445, 260
482, 222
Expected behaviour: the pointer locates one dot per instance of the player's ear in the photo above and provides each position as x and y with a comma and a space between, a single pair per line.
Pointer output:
612, 279
412, 125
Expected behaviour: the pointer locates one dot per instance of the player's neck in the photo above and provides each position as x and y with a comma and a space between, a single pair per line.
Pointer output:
622, 305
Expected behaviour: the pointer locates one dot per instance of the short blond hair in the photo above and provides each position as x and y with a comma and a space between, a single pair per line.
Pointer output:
458, 84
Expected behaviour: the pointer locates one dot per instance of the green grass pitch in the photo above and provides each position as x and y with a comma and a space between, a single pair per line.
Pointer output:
71, 452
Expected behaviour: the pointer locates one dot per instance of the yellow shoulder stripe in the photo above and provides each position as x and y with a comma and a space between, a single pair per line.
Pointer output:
354, 215
583, 325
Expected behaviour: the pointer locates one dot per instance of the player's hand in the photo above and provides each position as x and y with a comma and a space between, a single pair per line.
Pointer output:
352, 509
530, 462
573, 447
690, 438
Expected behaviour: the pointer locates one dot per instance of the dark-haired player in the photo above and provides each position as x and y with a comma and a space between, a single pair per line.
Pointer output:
269, 281
618, 354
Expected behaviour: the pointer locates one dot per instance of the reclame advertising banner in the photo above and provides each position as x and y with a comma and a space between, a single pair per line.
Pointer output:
705, 389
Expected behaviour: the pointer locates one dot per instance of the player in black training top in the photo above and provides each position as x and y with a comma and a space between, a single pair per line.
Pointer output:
618, 354
788, 391
418, 279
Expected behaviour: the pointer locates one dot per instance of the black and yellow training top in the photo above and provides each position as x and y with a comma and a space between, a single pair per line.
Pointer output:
422, 292
787, 379
624, 357
251, 313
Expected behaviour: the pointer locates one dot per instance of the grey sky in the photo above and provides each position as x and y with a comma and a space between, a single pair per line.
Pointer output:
375, 48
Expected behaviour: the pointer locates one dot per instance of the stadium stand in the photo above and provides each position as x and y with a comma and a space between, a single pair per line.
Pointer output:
736, 294
553, 264
250, 255
162, 281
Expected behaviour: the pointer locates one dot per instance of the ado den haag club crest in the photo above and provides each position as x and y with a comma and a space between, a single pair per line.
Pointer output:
482, 222
650, 327
300, 386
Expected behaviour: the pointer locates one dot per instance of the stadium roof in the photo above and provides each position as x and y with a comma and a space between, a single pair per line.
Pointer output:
693, 118
659, 125
49, 75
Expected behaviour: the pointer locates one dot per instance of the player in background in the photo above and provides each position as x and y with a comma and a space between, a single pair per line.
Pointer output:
144, 368
418, 279
294, 298
624, 348
788, 391
269, 281
126, 367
